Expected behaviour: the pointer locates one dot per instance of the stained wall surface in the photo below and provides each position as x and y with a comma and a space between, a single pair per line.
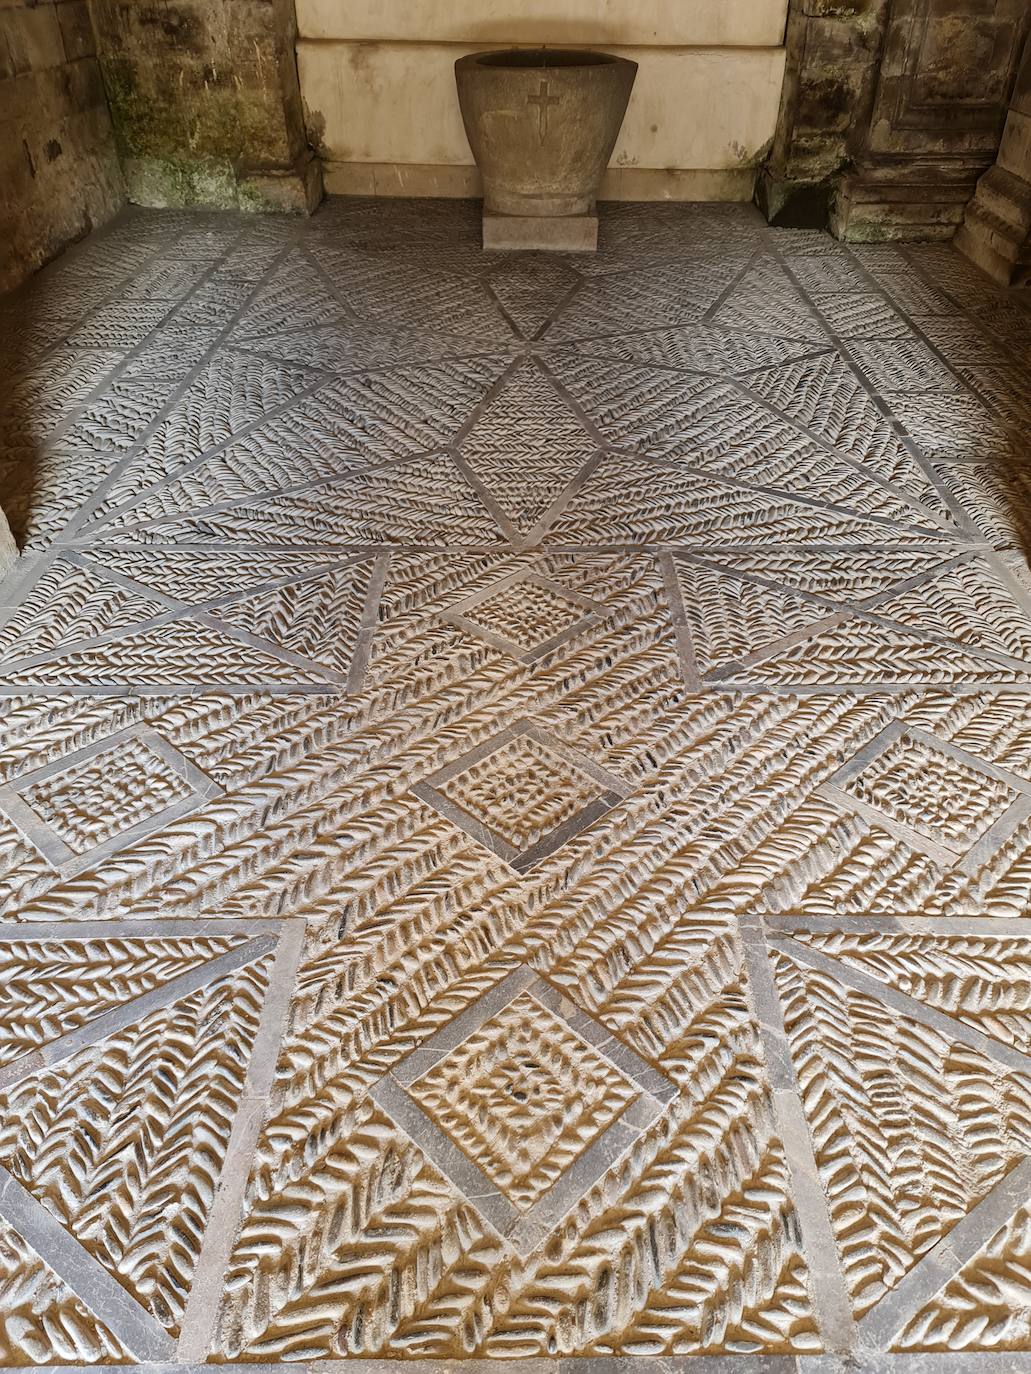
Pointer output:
205, 102
59, 173
378, 86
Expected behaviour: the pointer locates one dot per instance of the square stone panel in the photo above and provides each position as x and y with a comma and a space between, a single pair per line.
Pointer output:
523, 1100
523, 1096
938, 798
97, 799
524, 615
522, 793
104, 796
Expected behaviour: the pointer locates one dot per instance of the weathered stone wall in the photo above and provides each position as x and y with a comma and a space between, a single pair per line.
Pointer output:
996, 229
59, 173
205, 102
833, 53
891, 111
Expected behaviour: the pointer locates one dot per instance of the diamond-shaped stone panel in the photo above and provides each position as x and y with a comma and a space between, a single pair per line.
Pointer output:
101, 797
523, 791
527, 445
526, 613
523, 1096
941, 797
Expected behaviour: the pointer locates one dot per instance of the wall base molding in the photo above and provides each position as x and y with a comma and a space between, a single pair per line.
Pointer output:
219, 184
914, 202
456, 181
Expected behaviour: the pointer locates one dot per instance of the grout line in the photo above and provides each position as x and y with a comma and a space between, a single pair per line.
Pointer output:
831, 1301
197, 1329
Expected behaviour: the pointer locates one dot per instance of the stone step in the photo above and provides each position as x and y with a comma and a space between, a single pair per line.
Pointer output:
996, 246
1005, 196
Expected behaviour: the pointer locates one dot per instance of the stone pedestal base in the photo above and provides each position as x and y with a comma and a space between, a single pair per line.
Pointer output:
545, 233
874, 205
218, 184
996, 232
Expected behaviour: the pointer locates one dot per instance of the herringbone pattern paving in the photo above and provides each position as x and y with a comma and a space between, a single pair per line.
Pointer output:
515, 799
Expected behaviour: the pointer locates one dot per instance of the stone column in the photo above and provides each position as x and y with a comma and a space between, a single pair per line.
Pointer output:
206, 103
996, 229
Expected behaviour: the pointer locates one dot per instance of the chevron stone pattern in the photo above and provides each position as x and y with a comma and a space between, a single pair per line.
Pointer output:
515, 800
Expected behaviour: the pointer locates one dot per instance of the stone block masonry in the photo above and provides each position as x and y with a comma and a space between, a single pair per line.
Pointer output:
890, 112
59, 172
205, 103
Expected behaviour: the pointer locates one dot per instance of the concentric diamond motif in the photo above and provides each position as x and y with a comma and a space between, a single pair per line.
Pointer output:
939, 798
523, 1097
525, 615
523, 794
92, 802
524, 1101
943, 798
104, 796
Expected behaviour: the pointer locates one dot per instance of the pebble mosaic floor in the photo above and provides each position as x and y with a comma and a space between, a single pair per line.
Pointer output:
515, 800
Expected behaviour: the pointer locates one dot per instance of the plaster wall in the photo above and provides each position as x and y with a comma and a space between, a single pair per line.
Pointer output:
378, 88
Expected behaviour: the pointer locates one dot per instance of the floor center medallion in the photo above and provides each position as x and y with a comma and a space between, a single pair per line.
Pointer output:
523, 1100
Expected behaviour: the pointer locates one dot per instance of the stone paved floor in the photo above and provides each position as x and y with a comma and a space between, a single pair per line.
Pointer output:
515, 814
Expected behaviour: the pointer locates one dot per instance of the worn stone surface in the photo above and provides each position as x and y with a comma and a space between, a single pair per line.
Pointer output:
996, 229
205, 102
515, 801
59, 173
542, 126
830, 76
890, 112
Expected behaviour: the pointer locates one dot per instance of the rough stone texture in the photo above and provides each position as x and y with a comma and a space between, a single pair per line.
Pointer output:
891, 111
205, 102
542, 126
515, 801
59, 173
830, 78
996, 229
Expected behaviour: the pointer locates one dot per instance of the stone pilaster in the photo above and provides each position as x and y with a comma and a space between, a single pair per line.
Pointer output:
996, 229
206, 104
891, 111
830, 77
